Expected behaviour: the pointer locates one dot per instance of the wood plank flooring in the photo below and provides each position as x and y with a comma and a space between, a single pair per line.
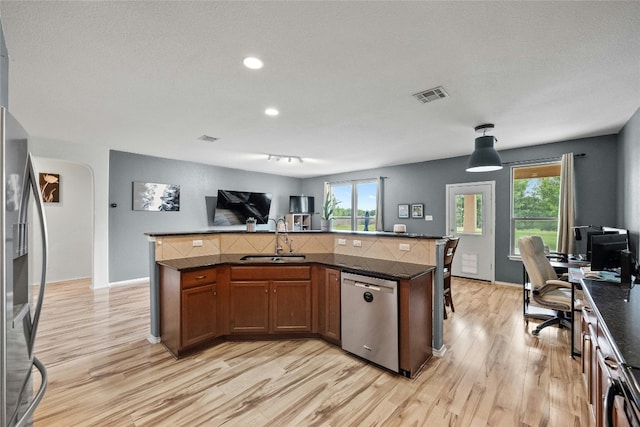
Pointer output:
103, 371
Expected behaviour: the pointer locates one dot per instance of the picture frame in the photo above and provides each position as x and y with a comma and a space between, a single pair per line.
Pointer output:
155, 197
49, 184
417, 210
403, 210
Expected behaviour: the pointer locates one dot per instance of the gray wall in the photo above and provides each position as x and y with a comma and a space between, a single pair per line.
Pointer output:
425, 182
629, 179
128, 250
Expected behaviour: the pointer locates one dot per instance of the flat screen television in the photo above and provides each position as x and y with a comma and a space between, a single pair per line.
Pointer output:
234, 207
606, 250
301, 204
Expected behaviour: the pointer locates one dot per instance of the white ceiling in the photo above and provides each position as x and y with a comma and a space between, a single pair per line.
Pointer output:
152, 77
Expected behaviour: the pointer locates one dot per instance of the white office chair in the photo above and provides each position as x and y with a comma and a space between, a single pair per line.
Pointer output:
547, 290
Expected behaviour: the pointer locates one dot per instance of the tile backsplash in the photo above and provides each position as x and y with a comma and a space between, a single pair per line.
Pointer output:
417, 251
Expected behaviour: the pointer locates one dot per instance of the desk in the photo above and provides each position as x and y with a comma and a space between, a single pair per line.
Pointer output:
544, 314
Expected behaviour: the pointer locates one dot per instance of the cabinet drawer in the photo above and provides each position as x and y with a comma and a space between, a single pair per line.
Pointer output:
198, 277
271, 273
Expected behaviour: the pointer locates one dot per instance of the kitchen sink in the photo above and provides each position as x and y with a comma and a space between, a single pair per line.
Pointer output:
274, 258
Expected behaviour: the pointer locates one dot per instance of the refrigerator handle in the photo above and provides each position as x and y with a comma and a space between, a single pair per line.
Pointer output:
31, 181
39, 395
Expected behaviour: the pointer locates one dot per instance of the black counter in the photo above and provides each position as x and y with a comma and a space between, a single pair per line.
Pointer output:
619, 309
376, 267
339, 233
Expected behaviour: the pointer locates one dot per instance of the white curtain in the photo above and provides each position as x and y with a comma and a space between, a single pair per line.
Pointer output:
379, 204
566, 211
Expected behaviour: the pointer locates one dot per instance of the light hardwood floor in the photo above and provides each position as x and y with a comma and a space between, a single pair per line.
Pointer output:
103, 372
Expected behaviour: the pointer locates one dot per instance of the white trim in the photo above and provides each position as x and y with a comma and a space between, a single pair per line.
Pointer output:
511, 285
139, 281
153, 339
439, 352
492, 224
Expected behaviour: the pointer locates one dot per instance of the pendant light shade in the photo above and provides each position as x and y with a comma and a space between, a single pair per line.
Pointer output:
484, 158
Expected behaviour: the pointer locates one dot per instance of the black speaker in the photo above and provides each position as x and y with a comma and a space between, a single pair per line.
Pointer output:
627, 266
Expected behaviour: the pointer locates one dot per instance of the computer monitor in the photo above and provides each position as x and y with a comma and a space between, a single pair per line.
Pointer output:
606, 250
598, 232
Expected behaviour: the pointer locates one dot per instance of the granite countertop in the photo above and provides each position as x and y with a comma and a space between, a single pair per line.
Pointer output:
359, 265
618, 307
358, 233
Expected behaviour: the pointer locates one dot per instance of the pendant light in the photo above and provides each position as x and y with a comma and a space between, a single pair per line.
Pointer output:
484, 158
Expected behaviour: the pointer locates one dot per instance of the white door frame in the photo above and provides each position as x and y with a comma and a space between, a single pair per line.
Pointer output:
488, 221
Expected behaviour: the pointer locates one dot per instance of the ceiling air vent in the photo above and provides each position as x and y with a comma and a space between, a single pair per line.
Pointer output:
431, 94
207, 138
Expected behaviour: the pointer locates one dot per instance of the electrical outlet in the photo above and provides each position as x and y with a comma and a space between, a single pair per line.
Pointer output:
342, 242
428, 217
196, 243
404, 247
357, 243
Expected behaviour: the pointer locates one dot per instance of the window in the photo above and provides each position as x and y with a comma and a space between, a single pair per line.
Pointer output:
357, 209
469, 213
535, 196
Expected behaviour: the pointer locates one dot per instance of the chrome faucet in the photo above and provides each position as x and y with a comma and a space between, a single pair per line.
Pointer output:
277, 247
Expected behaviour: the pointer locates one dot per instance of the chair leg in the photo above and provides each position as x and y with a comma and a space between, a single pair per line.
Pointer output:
560, 321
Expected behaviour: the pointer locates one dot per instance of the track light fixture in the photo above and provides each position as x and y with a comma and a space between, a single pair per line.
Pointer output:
278, 157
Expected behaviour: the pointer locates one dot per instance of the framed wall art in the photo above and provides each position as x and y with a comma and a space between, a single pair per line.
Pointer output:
403, 210
151, 196
417, 210
49, 187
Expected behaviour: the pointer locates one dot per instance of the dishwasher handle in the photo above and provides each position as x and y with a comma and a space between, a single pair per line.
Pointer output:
366, 286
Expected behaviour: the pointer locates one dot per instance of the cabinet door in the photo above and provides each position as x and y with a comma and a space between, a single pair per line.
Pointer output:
331, 305
291, 306
619, 417
249, 307
199, 314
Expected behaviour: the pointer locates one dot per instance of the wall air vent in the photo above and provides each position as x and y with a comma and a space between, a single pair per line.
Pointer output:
208, 138
431, 94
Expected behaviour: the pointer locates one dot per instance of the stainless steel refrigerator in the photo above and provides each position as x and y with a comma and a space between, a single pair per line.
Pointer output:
20, 312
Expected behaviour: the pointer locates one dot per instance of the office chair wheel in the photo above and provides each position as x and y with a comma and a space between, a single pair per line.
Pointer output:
535, 332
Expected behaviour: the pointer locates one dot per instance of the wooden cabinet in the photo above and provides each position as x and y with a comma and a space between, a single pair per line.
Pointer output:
189, 312
290, 306
599, 369
329, 305
416, 323
199, 314
298, 222
249, 306
270, 300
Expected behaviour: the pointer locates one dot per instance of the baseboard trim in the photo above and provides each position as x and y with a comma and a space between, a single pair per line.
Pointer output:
439, 352
139, 281
153, 339
518, 285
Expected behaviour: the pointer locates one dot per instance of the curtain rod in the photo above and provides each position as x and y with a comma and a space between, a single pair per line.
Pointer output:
548, 159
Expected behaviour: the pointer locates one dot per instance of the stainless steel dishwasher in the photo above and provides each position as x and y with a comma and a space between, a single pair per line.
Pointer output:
370, 319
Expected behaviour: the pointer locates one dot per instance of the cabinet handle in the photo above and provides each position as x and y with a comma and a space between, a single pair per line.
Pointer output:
274, 291
215, 293
201, 277
266, 291
611, 363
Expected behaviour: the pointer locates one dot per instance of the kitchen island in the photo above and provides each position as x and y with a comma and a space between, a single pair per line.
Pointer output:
256, 297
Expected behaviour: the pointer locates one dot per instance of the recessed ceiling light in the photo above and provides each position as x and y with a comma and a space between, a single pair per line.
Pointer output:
253, 63
271, 112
